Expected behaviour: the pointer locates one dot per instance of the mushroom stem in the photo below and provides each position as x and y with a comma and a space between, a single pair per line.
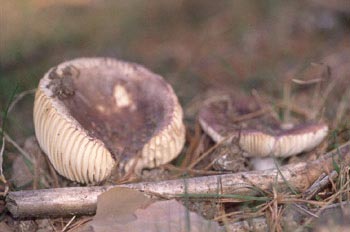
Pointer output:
83, 200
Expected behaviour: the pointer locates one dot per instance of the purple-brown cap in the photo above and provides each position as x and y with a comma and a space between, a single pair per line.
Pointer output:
259, 136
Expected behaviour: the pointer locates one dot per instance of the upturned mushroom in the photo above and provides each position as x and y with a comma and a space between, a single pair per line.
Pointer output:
96, 116
255, 131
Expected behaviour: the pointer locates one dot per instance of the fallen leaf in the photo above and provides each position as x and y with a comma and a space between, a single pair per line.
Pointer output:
4, 227
124, 209
168, 216
117, 206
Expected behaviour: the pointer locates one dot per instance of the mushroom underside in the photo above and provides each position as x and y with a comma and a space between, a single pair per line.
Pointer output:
256, 132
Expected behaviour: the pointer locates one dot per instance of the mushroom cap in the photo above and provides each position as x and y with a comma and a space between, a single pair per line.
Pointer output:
258, 136
93, 115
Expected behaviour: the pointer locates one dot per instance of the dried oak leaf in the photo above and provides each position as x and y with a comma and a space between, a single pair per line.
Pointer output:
123, 209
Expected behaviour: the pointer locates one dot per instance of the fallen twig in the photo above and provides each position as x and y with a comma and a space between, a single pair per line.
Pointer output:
319, 184
83, 200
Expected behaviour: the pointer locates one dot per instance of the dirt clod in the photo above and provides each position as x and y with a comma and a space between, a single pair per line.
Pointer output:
62, 85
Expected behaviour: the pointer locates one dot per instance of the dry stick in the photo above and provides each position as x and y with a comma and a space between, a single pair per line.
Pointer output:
83, 200
295, 109
320, 184
191, 171
205, 154
195, 141
251, 115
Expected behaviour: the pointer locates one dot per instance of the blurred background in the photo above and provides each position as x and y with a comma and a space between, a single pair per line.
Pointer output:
195, 45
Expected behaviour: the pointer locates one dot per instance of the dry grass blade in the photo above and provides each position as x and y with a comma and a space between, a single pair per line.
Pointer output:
20, 97
23, 152
210, 150
5, 136
322, 100
246, 214
342, 108
292, 200
251, 115
347, 176
1, 159
68, 224
241, 198
290, 186
2, 177
265, 104
305, 211
284, 104
195, 142
287, 89
308, 82
53, 173
78, 224
295, 109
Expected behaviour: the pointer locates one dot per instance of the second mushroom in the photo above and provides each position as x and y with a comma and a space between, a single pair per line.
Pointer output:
241, 120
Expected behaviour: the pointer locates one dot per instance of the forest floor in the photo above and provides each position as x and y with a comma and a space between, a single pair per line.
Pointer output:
295, 56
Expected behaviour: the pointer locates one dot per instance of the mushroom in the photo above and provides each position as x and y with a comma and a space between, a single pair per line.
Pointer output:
259, 135
95, 116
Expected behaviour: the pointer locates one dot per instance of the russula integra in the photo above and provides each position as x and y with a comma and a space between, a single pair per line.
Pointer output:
259, 135
95, 115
